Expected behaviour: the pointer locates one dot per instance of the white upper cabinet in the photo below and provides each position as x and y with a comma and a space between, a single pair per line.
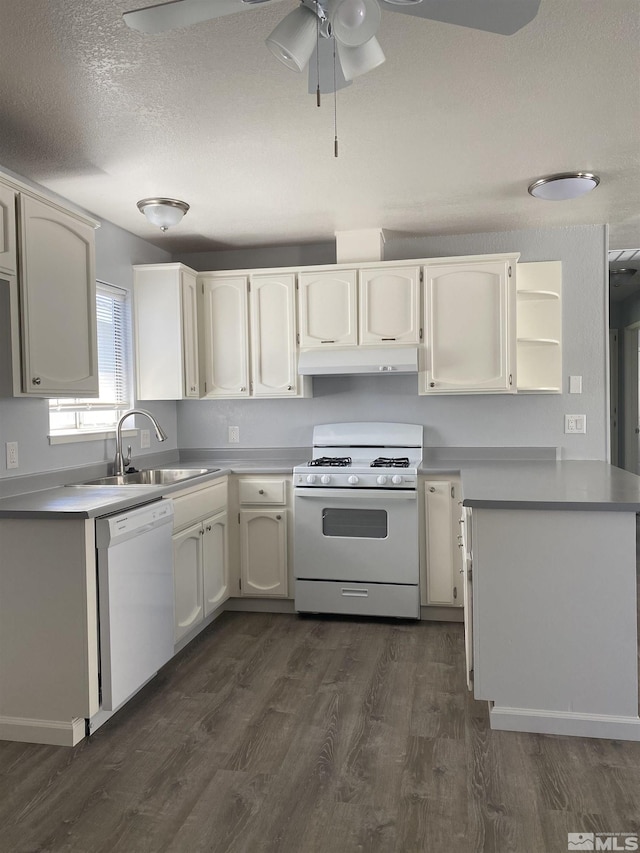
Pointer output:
328, 308
225, 333
390, 305
272, 304
166, 331
58, 302
470, 327
539, 326
8, 258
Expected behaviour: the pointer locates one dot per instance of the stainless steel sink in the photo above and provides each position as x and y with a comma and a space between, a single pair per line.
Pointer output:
151, 477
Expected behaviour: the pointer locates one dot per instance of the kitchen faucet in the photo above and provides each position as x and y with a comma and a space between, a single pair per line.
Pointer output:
121, 462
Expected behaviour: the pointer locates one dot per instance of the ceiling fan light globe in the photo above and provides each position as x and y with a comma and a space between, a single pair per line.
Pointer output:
354, 22
355, 61
294, 39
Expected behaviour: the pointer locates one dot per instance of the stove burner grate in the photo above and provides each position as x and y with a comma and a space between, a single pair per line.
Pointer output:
393, 462
331, 462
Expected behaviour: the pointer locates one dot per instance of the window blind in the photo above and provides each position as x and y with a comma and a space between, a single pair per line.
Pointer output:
113, 338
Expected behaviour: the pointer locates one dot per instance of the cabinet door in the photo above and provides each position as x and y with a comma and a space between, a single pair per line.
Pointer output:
8, 259
226, 365
273, 335
58, 303
187, 579
215, 562
166, 332
390, 305
470, 336
263, 552
189, 293
328, 309
443, 577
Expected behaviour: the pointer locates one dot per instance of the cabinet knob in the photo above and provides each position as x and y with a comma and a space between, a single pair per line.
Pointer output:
201, 531
289, 387
278, 517
36, 380
261, 491
432, 488
208, 527
432, 384
243, 388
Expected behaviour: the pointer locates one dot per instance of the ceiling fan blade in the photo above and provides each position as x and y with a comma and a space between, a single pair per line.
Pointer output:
324, 52
504, 17
184, 13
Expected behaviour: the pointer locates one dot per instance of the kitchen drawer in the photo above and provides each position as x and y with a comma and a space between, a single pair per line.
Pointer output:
198, 504
358, 599
262, 491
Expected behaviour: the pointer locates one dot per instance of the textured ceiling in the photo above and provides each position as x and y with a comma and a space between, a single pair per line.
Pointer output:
443, 138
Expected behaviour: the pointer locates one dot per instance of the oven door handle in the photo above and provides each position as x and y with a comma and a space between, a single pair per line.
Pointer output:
354, 494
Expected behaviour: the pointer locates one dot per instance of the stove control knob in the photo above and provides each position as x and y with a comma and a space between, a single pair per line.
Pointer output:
325, 479
353, 479
311, 478
381, 480
396, 479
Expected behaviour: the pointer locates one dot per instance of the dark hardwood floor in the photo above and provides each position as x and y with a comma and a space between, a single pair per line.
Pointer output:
281, 734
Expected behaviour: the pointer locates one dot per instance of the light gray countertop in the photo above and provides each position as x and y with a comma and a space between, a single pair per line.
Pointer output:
569, 485
516, 484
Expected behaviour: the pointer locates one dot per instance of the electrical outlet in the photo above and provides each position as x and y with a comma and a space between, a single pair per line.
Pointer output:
12, 454
145, 438
234, 435
575, 423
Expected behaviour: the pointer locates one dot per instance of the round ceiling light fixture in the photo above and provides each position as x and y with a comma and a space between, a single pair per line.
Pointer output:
163, 212
564, 186
622, 274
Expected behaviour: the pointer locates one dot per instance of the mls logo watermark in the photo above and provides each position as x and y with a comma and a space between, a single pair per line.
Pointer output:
602, 841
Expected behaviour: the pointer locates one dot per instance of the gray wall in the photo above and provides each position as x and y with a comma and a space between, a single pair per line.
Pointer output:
475, 420
27, 421
312, 254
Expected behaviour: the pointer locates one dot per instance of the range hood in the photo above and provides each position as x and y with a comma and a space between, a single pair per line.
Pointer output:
358, 360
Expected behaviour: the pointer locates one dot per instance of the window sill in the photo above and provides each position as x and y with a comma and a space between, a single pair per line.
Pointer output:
75, 435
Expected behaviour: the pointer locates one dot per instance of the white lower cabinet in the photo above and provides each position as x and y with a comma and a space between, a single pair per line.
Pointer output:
263, 536
442, 581
215, 573
187, 579
200, 561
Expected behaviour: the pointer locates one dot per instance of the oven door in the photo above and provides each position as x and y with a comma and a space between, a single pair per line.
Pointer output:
368, 535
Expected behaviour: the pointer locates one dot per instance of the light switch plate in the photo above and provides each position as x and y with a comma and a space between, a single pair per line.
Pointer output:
575, 384
234, 435
145, 438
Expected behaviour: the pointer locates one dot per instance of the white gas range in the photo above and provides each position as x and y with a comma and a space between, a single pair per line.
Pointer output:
361, 456
356, 521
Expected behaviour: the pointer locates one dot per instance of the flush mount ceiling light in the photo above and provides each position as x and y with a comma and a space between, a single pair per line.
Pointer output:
621, 275
163, 212
564, 186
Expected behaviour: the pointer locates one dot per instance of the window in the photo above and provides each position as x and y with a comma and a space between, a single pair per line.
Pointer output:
68, 415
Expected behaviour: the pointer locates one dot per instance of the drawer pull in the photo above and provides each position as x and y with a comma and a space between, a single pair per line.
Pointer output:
354, 593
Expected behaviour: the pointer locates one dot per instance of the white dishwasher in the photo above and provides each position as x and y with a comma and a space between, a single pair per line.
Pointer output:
135, 598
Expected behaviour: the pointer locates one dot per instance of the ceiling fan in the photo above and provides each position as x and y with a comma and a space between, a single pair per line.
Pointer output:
337, 38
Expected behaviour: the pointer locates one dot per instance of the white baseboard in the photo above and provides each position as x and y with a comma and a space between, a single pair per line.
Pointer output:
565, 723
52, 732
